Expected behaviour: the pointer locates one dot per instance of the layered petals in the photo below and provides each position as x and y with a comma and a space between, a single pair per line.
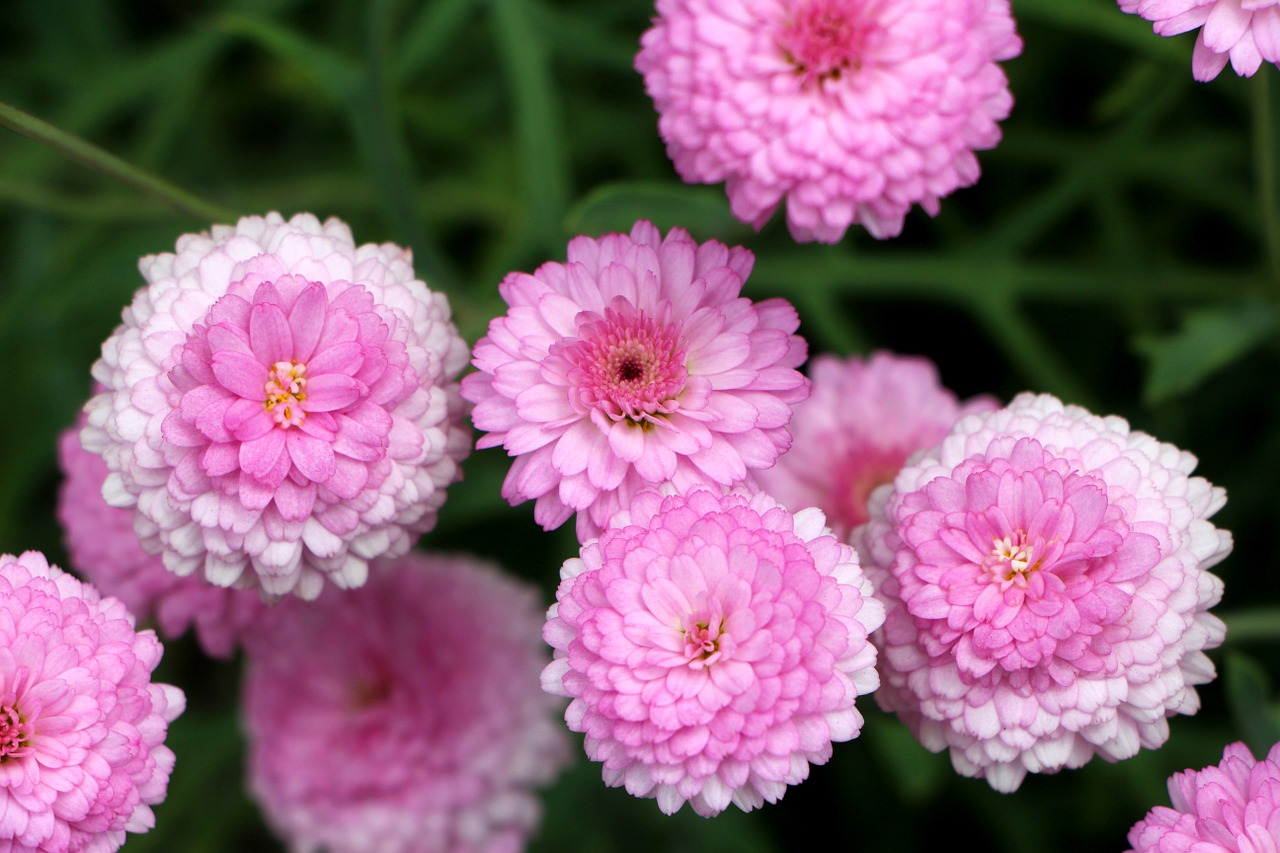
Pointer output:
1244, 32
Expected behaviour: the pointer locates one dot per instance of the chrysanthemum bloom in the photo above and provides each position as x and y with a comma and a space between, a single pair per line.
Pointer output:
713, 647
851, 110
105, 550
636, 363
1045, 573
1231, 807
281, 405
82, 728
403, 716
862, 421
1245, 31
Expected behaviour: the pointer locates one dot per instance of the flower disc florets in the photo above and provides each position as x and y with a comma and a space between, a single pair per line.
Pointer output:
713, 647
404, 716
280, 405
1245, 31
850, 110
853, 434
1233, 807
635, 364
82, 728
1045, 573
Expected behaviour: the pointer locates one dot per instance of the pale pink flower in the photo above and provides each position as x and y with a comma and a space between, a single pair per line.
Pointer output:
1045, 574
850, 110
82, 728
1245, 31
637, 363
1232, 807
403, 716
713, 647
862, 421
281, 405
105, 550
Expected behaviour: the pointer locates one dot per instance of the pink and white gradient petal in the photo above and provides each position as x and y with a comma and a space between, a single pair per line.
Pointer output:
1244, 32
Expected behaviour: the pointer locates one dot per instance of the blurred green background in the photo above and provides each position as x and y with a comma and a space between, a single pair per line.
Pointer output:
1115, 253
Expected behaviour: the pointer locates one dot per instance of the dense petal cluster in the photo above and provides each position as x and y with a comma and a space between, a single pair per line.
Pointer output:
1232, 807
1045, 573
851, 110
280, 405
403, 716
82, 728
862, 421
105, 550
637, 363
1245, 31
713, 647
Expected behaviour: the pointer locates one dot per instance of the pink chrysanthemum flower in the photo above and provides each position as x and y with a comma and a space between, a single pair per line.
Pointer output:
634, 364
1233, 807
713, 647
280, 405
1245, 31
403, 716
105, 550
862, 421
1045, 574
851, 110
82, 728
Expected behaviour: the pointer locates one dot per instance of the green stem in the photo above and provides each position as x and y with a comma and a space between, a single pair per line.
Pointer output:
1255, 624
108, 164
1264, 154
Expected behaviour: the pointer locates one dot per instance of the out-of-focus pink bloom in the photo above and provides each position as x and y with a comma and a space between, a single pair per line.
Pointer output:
1245, 31
82, 728
1046, 578
850, 110
105, 550
280, 405
635, 364
713, 647
862, 421
403, 716
1232, 807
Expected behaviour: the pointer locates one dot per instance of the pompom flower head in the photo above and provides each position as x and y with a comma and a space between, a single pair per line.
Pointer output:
1232, 807
713, 647
850, 110
403, 716
280, 405
105, 550
1247, 32
637, 363
82, 728
862, 421
1045, 574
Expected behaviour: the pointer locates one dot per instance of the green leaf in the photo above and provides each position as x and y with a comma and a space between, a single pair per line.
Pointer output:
1209, 340
617, 206
1247, 688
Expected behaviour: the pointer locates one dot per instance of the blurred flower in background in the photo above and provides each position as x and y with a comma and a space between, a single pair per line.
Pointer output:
82, 728
106, 552
280, 405
850, 110
862, 420
405, 715
1046, 576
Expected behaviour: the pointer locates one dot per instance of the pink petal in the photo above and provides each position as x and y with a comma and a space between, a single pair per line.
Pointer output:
313, 457
330, 392
241, 374
260, 455
306, 320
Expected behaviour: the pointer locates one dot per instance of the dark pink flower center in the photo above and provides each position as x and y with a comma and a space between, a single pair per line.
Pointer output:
828, 38
701, 639
628, 365
15, 734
